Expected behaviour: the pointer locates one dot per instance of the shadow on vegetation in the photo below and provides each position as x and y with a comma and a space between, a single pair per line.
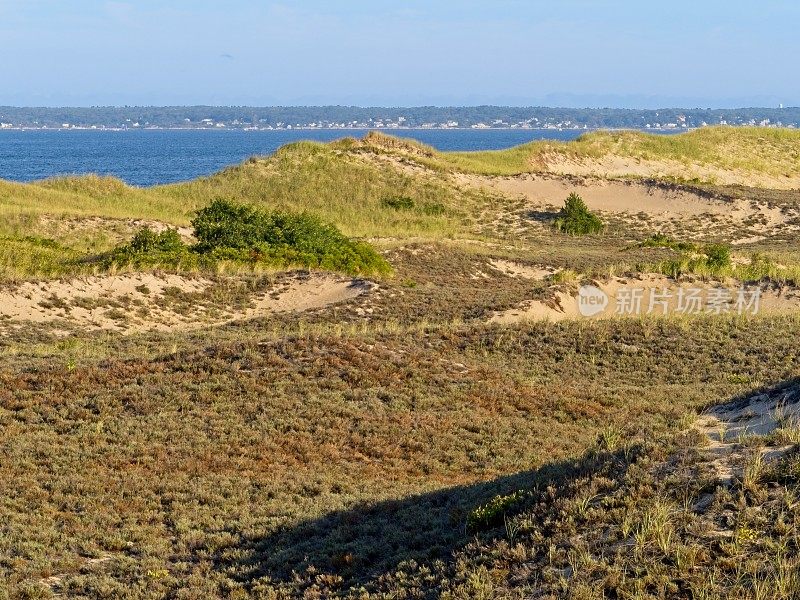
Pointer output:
541, 216
368, 540
364, 542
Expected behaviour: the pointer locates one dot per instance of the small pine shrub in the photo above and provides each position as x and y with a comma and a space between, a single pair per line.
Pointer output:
576, 219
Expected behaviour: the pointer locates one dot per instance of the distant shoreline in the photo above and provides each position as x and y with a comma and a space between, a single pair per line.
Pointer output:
381, 129
342, 118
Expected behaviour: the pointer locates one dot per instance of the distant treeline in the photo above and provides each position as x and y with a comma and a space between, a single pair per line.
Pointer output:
353, 116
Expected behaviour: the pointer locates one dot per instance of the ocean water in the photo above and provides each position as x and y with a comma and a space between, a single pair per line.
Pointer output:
150, 157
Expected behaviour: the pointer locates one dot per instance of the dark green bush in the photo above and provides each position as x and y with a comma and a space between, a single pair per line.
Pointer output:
149, 248
575, 218
235, 232
226, 230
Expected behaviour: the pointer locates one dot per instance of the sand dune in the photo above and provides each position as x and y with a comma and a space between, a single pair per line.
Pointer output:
663, 206
146, 301
654, 295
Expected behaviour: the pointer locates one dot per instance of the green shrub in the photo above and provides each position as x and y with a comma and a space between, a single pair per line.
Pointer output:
230, 231
575, 218
718, 256
708, 259
150, 248
705, 259
227, 231
147, 240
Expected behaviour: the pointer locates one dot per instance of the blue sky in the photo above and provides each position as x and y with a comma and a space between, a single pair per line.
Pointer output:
559, 52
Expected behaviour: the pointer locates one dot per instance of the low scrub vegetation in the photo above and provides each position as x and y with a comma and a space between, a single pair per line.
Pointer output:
226, 231
715, 260
660, 240
403, 203
273, 459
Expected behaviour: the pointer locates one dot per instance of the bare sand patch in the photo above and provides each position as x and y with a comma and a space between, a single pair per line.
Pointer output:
135, 302
663, 207
309, 293
522, 271
760, 414
655, 295
603, 195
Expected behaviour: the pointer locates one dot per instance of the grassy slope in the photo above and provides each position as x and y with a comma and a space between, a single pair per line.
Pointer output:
318, 178
304, 176
325, 179
751, 150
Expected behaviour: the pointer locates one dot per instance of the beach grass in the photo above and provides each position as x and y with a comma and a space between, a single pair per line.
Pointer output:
772, 151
